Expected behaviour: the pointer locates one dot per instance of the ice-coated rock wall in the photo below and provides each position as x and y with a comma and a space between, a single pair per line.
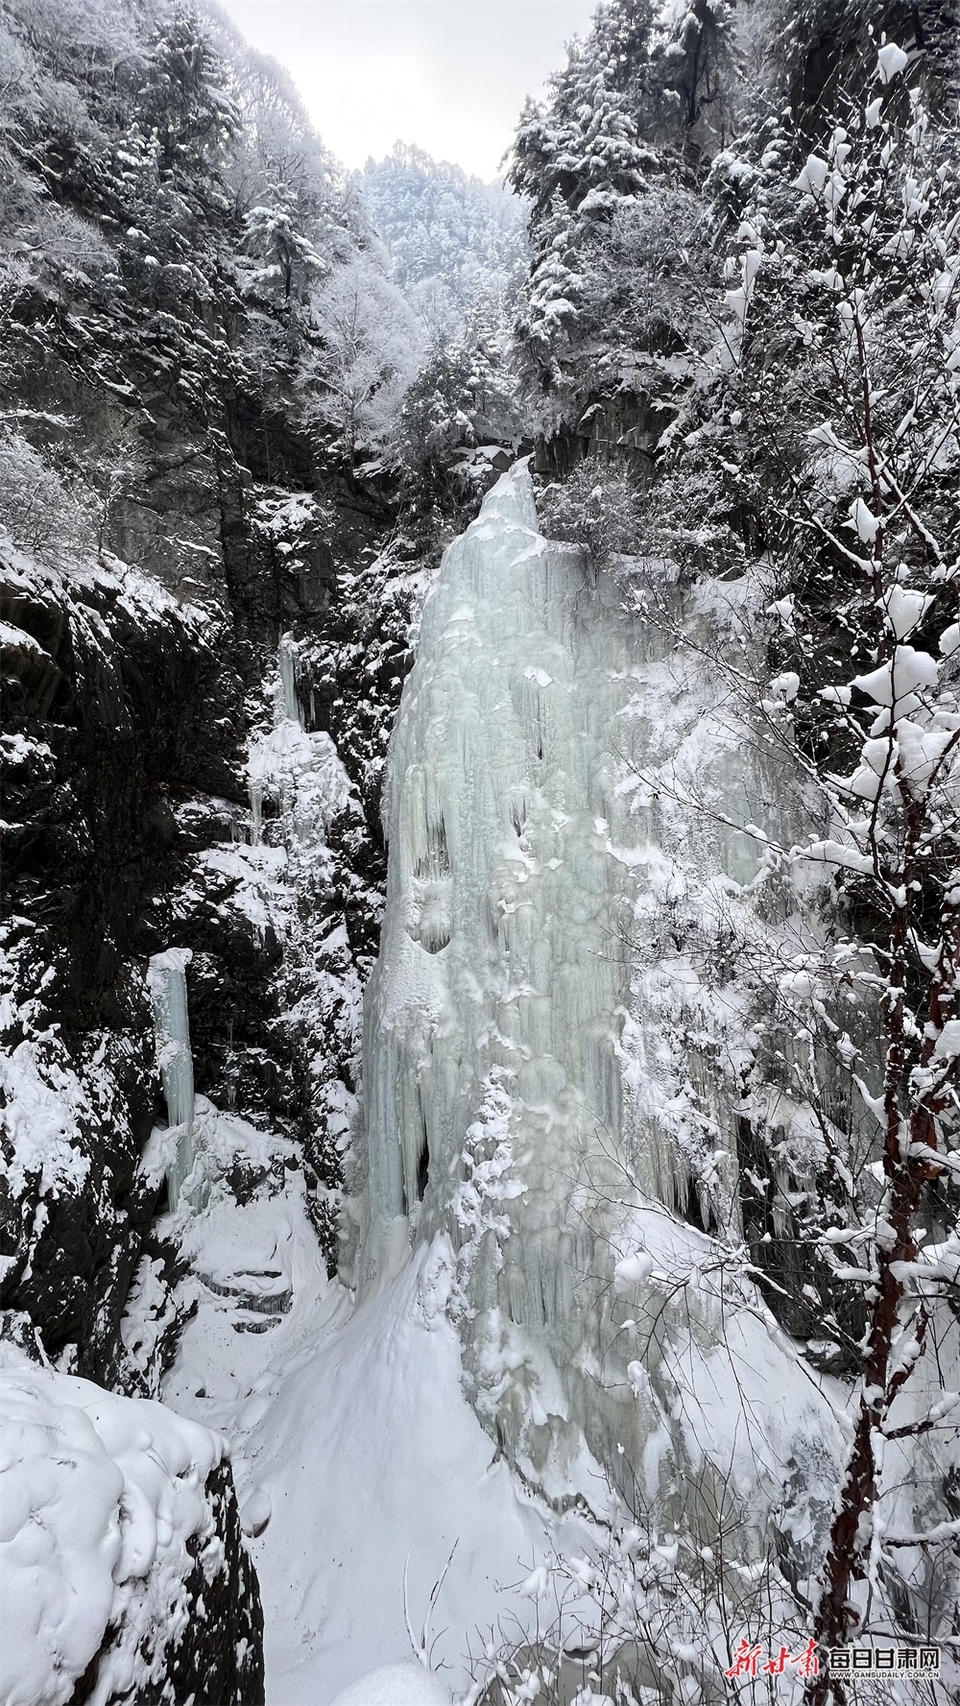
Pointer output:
517, 1058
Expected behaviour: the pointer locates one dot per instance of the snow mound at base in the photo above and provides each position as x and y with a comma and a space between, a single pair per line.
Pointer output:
396, 1685
100, 1495
389, 1502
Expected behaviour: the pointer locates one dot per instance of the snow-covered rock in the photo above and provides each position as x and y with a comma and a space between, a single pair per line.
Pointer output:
120, 1551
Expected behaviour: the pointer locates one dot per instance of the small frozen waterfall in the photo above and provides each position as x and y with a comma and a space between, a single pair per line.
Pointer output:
288, 680
517, 1059
294, 770
287, 730
167, 983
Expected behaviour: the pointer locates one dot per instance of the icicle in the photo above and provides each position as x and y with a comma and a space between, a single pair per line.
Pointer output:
167, 983
255, 785
288, 680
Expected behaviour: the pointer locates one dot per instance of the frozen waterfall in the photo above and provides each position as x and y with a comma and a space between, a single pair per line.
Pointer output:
294, 770
519, 1070
167, 983
287, 732
288, 680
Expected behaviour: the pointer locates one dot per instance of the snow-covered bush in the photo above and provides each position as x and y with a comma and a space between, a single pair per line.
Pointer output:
597, 507
37, 508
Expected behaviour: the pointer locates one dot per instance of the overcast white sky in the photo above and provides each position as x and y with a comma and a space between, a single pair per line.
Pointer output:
449, 75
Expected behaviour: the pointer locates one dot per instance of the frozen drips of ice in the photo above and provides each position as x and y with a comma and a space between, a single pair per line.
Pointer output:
287, 723
524, 832
509, 1065
167, 983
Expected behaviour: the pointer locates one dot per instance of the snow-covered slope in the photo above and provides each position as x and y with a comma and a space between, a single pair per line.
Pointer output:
363, 1474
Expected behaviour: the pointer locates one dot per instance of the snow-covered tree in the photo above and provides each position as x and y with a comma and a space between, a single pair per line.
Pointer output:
439, 224
286, 263
828, 442
586, 139
596, 508
184, 101
608, 167
286, 186
368, 351
457, 248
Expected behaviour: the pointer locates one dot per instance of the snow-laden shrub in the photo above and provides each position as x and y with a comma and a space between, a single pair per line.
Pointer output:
597, 508
38, 510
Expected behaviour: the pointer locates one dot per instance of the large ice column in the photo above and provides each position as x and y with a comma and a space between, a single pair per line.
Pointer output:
517, 849
167, 983
500, 943
515, 1088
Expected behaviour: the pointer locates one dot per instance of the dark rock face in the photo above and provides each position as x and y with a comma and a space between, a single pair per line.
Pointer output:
122, 752
127, 712
130, 692
216, 1654
115, 705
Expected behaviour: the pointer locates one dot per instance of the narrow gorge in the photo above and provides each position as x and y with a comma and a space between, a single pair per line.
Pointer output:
480, 980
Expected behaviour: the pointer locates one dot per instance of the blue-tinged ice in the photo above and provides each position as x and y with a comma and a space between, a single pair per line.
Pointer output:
519, 1077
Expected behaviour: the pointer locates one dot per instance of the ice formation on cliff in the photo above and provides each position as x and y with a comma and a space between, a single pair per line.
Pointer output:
298, 771
287, 661
516, 1097
167, 983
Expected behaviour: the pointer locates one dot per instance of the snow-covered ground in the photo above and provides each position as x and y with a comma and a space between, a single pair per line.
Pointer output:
362, 1471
